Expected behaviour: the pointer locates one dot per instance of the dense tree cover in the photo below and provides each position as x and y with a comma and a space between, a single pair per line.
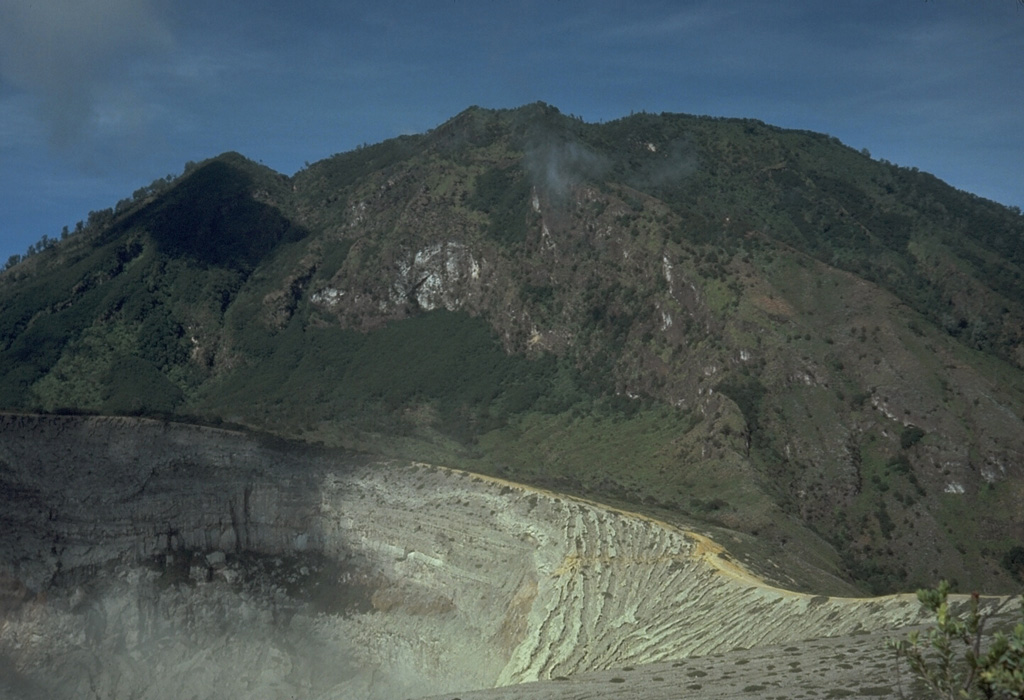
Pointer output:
210, 218
503, 194
447, 360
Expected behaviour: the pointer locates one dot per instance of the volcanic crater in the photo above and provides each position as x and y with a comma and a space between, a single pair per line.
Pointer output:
147, 559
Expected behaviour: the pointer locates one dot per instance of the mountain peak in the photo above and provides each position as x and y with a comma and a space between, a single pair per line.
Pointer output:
714, 319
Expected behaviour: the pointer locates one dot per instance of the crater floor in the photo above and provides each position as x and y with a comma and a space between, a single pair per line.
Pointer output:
141, 559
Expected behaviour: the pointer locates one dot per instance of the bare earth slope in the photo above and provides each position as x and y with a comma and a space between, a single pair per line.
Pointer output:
151, 560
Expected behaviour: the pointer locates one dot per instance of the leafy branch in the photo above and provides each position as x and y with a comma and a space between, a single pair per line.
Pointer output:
954, 660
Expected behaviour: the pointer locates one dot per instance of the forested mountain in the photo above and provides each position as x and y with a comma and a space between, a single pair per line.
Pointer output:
714, 320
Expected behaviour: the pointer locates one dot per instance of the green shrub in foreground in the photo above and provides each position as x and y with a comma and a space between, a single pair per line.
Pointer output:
955, 659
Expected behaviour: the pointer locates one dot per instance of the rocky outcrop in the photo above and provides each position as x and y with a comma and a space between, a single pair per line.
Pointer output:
146, 559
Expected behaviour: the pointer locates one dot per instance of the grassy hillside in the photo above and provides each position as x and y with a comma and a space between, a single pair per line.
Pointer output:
718, 320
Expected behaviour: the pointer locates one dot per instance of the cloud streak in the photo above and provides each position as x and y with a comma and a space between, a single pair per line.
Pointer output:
69, 54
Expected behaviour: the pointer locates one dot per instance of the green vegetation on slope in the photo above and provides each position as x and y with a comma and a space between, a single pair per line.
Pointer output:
449, 361
704, 318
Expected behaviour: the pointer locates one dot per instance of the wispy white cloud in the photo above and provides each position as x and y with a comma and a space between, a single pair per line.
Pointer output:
66, 53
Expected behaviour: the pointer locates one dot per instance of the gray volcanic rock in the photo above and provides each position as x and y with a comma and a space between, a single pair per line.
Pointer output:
150, 560
144, 559
851, 666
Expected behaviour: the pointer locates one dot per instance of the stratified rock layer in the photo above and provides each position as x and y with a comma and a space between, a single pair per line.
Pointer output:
153, 560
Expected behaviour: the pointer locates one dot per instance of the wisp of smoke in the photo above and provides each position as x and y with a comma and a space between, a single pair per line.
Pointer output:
672, 163
67, 52
556, 164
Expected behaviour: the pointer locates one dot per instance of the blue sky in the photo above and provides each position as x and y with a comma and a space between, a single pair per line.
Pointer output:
100, 97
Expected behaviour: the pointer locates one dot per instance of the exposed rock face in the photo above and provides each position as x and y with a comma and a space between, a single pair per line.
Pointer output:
142, 559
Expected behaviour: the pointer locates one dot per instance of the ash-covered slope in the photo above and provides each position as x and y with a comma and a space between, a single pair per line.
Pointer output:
709, 319
149, 560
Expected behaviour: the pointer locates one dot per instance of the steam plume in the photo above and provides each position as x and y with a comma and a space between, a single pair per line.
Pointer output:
67, 52
556, 164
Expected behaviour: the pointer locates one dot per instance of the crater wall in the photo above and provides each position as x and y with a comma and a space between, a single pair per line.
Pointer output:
154, 560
